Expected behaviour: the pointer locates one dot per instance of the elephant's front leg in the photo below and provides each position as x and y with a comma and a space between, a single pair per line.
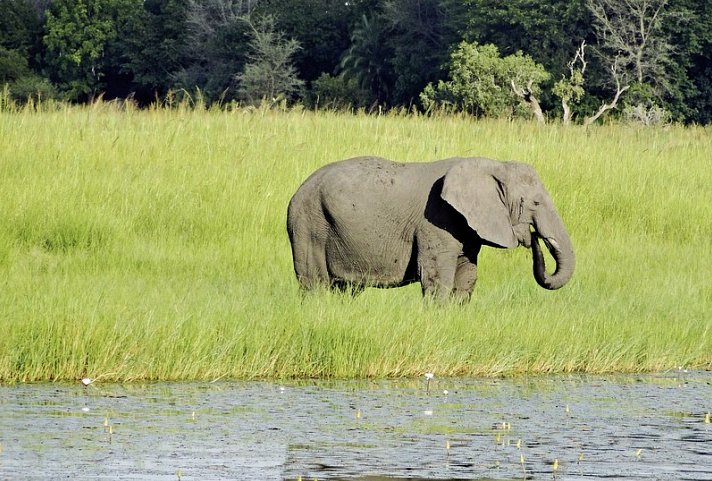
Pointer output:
466, 273
437, 274
465, 279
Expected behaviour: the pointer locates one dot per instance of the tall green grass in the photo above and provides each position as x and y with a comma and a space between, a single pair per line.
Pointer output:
151, 244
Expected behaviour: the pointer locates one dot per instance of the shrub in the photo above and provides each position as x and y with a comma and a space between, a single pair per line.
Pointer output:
338, 92
481, 82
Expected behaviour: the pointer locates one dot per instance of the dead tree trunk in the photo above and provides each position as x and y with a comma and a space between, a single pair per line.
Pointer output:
575, 82
527, 95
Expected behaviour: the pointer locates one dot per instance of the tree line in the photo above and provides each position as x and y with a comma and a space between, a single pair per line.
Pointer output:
574, 60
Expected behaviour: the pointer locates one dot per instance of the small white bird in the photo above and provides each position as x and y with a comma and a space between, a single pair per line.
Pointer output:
86, 381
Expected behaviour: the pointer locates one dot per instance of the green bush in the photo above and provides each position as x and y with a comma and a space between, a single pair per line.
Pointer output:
481, 83
337, 92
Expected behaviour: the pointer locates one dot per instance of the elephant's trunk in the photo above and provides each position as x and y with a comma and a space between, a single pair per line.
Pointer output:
562, 251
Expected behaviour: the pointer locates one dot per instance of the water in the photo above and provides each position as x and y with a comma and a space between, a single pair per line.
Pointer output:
622, 427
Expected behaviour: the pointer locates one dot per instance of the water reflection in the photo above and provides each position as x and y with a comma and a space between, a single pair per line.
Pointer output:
625, 427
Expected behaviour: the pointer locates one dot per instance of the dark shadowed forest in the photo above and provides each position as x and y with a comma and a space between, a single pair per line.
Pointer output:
553, 60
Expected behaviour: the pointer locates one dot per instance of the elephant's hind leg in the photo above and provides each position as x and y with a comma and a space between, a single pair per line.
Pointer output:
308, 251
311, 269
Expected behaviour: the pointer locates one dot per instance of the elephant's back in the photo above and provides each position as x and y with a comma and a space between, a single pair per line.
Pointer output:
370, 185
359, 169
374, 175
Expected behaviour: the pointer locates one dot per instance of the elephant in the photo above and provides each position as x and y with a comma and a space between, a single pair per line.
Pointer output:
371, 222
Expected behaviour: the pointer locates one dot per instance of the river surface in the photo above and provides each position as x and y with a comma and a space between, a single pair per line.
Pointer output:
652, 427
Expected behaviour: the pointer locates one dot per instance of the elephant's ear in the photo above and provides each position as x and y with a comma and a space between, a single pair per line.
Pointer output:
480, 197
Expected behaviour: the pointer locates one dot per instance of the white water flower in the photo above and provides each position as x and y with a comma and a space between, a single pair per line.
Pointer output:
428, 377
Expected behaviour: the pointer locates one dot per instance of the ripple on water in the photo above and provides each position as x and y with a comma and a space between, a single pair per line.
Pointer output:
576, 427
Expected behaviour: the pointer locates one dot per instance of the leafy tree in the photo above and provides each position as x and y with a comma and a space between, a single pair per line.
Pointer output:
154, 47
22, 82
692, 59
20, 34
483, 83
269, 73
13, 65
420, 34
217, 47
322, 27
19, 25
78, 35
701, 70
547, 30
367, 60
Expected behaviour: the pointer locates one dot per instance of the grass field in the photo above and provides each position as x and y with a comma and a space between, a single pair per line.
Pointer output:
139, 245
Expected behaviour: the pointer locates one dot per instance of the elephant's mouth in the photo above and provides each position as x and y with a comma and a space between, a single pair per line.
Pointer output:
523, 234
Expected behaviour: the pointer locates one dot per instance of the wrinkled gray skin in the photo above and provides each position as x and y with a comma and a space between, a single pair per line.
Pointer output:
368, 221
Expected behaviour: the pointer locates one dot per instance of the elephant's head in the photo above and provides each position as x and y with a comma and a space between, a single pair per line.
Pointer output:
506, 204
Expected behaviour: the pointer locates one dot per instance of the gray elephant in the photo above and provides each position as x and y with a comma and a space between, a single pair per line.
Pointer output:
368, 221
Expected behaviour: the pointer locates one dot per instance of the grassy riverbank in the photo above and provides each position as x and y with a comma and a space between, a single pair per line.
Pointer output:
152, 245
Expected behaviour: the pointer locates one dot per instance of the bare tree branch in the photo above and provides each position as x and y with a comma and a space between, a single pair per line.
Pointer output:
633, 31
570, 89
620, 88
579, 57
575, 81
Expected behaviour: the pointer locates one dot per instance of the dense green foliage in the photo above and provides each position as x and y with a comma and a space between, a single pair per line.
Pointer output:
375, 54
480, 82
151, 244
